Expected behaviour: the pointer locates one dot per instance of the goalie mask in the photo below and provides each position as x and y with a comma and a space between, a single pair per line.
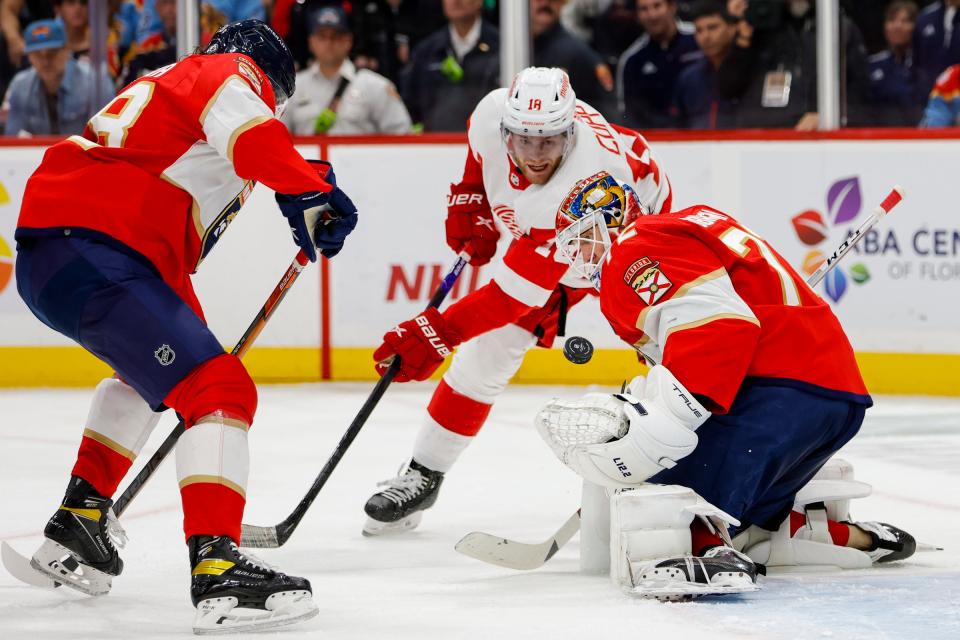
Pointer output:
592, 215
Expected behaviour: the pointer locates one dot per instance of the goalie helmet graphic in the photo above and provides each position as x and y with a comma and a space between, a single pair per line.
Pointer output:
590, 218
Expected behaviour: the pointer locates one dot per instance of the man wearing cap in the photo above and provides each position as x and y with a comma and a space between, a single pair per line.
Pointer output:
55, 95
333, 96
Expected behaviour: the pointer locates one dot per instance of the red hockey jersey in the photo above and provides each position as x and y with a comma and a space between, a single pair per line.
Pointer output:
167, 164
699, 293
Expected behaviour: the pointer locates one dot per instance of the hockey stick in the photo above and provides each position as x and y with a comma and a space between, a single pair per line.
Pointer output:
493, 549
246, 341
275, 536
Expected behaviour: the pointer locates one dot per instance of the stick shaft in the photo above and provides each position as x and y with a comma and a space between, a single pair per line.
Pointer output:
255, 536
241, 348
893, 199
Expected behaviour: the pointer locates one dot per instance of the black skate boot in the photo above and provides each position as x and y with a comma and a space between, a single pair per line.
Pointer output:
721, 570
889, 543
225, 580
400, 506
79, 548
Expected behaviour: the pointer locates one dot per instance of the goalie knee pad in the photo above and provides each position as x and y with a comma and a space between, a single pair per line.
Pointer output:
219, 386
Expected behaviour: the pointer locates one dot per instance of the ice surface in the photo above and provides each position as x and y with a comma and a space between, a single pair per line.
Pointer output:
415, 585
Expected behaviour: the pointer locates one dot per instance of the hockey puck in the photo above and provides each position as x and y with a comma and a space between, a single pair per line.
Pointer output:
577, 350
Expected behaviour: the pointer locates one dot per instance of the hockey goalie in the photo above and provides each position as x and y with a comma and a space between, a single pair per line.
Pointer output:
753, 388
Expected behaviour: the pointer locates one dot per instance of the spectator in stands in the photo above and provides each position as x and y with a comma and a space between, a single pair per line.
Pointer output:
122, 34
943, 109
772, 69
55, 95
335, 98
936, 41
648, 70
554, 46
156, 44
76, 22
11, 13
608, 26
291, 19
452, 69
696, 103
386, 31
894, 96
217, 13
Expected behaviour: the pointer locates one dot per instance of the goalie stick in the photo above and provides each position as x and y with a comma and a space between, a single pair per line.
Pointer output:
271, 537
500, 551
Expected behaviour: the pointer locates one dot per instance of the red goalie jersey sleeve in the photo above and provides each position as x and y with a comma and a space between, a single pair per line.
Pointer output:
167, 164
715, 304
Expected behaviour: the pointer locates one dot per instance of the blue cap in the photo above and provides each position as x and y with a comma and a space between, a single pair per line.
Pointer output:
44, 34
330, 18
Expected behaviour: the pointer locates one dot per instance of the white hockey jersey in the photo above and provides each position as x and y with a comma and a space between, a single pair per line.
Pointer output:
530, 272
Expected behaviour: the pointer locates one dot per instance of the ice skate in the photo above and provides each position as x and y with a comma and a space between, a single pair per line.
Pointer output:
235, 592
720, 571
889, 543
79, 548
400, 506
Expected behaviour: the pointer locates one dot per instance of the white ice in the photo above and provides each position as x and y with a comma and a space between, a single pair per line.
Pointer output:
415, 586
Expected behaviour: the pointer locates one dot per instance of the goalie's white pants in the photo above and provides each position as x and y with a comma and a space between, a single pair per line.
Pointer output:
480, 371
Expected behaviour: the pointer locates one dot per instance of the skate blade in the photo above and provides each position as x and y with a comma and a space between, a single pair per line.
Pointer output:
678, 588
372, 528
217, 616
61, 565
20, 568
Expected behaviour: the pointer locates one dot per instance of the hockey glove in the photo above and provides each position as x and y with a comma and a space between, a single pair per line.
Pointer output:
470, 224
317, 218
421, 344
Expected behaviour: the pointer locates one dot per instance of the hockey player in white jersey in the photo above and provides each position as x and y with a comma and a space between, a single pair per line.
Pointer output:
527, 145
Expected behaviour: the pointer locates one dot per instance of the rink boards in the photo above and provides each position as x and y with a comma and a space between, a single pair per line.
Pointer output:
897, 295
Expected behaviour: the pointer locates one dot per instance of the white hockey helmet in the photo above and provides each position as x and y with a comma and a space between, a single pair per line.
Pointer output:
540, 102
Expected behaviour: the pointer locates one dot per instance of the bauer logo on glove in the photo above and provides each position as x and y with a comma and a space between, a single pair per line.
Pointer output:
422, 343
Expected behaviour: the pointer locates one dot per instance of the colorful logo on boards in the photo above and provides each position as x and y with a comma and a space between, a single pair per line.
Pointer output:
6, 264
844, 202
6, 253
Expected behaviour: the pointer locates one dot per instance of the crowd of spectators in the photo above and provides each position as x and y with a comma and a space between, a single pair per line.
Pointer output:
396, 66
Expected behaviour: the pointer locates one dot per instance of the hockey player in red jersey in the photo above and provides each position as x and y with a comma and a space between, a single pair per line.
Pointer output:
113, 224
526, 145
753, 387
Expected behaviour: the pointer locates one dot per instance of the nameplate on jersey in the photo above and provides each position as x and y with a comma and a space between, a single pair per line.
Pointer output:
647, 280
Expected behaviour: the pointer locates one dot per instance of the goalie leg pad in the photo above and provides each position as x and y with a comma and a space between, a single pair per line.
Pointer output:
811, 547
650, 522
650, 546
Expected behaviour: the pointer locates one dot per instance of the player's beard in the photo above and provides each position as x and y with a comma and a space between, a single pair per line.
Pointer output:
539, 171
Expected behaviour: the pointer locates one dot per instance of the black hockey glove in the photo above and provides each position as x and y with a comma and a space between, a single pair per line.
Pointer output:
318, 219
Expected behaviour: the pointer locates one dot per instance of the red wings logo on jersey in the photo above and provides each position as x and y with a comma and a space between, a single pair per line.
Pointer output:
647, 281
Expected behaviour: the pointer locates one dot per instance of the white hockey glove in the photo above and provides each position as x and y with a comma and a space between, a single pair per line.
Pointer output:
660, 430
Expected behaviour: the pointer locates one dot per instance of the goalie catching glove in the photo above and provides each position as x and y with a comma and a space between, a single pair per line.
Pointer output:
622, 440
321, 219
421, 344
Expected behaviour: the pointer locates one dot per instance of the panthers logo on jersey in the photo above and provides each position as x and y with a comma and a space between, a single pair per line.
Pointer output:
647, 280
